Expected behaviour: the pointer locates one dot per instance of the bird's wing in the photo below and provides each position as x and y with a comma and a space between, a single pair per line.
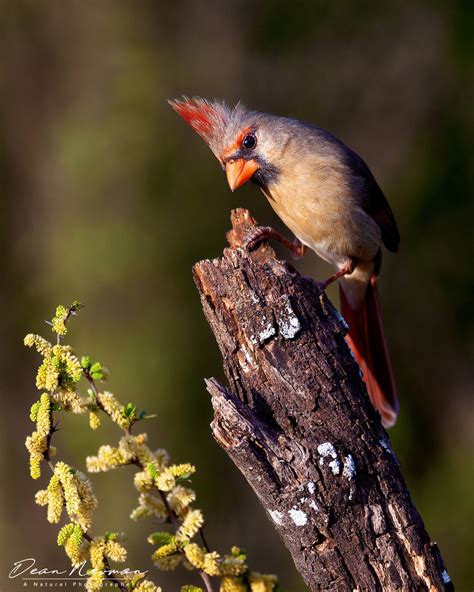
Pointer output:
375, 203
379, 209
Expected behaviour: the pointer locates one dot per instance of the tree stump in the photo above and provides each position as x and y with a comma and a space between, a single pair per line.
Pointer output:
296, 420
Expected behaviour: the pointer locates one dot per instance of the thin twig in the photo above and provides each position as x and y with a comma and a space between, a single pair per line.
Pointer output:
203, 539
207, 581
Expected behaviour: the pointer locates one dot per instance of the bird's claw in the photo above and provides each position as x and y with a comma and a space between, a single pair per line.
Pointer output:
255, 237
259, 234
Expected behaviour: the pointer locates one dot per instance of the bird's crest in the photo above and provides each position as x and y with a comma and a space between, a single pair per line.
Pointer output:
208, 119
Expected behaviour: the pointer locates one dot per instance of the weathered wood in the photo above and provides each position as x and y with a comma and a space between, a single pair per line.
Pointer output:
297, 422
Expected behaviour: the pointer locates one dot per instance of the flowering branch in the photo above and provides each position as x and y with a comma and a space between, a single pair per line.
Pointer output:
163, 488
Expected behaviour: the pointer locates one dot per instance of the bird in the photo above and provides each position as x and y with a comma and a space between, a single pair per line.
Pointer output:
327, 196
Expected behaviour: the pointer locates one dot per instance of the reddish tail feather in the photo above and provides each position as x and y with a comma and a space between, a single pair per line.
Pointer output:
367, 341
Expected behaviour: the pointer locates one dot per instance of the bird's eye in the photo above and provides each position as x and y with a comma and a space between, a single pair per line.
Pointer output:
249, 142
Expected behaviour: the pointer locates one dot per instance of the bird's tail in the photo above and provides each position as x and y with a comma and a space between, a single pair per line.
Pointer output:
367, 341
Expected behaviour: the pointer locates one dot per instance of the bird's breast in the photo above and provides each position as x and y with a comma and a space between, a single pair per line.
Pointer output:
322, 212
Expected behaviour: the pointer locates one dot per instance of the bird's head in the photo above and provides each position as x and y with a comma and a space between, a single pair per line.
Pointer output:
247, 144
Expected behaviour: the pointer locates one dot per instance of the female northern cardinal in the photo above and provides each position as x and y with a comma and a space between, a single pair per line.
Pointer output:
328, 197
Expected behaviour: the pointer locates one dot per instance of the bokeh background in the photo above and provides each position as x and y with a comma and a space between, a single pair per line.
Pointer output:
108, 197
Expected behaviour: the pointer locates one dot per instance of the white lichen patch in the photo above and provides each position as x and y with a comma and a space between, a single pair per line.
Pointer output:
445, 577
303, 500
311, 487
298, 516
267, 332
276, 516
326, 449
288, 321
314, 505
335, 467
349, 469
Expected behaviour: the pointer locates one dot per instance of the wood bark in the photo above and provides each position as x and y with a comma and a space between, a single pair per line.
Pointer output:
296, 420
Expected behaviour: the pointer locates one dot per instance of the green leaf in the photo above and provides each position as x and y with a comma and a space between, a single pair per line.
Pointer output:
152, 470
160, 538
130, 411
86, 362
97, 375
76, 305
97, 367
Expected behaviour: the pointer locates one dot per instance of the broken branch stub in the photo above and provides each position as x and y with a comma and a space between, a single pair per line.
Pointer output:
297, 422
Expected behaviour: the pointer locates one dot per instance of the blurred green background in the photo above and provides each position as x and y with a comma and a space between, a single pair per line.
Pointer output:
108, 197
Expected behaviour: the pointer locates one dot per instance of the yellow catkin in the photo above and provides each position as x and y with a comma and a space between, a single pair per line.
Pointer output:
107, 458
115, 551
190, 525
42, 346
143, 481
55, 499
165, 481
88, 501
195, 555
168, 563
183, 470
95, 581
211, 563
229, 584
36, 443
59, 321
94, 420
42, 497
179, 499
35, 465
166, 550
150, 506
43, 419
113, 409
65, 533
232, 566
73, 365
47, 376
73, 544
262, 583
71, 495
34, 411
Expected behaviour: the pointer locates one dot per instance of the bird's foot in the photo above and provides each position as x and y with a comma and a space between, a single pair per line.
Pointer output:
259, 234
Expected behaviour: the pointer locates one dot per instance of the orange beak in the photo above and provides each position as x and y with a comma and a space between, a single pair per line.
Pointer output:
239, 171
